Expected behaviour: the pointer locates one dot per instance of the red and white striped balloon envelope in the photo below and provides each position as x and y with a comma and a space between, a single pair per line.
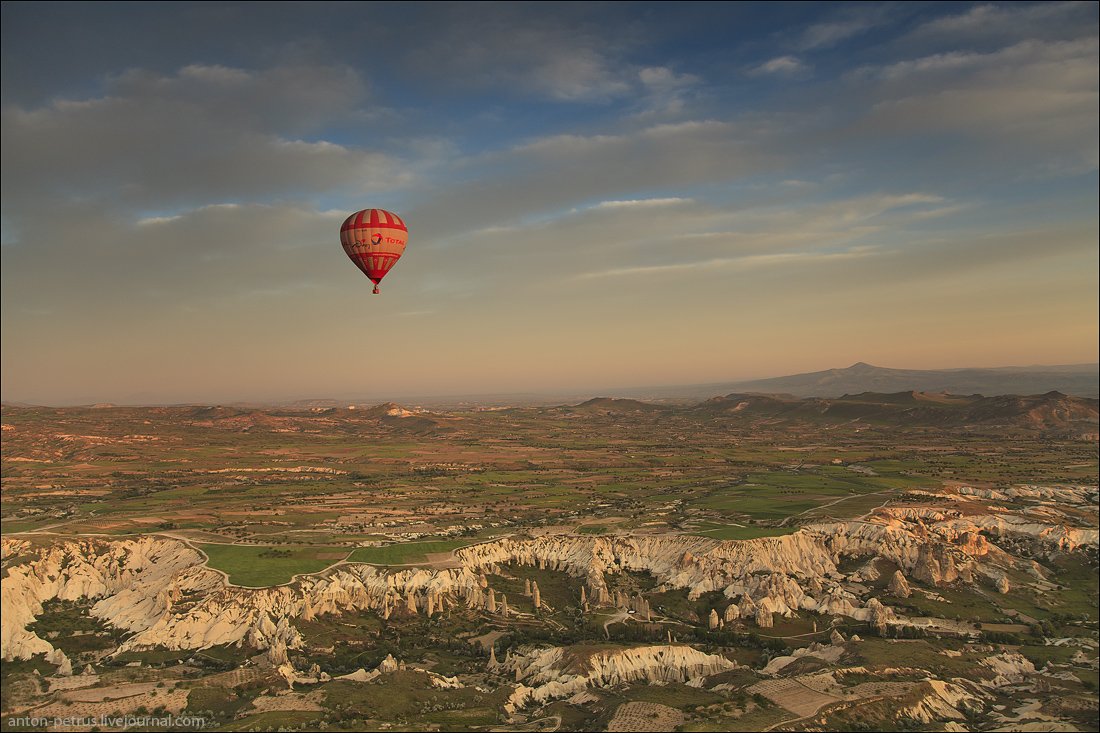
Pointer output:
374, 239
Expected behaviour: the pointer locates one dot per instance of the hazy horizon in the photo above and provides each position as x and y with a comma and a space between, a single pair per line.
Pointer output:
546, 394
597, 195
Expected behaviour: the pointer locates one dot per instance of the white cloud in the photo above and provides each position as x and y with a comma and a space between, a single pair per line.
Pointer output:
782, 66
748, 262
525, 51
849, 22
205, 133
641, 203
213, 251
1038, 97
1010, 22
664, 80
154, 220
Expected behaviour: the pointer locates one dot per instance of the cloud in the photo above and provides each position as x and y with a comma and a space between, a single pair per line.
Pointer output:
641, 203
665, 93
733, 264
527, 51
662, 79
825, 35
558, 173
989, 23
216, 252
568, 53
206, 133
886, 260
843, 25
1038, 97
683, 237
782, 66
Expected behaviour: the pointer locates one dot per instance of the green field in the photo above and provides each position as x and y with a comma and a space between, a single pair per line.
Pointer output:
734, 532
778, 495
211, 469
254, 566
595, 528
405, 552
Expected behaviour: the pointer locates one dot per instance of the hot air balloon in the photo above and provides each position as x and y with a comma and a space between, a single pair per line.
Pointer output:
374, 240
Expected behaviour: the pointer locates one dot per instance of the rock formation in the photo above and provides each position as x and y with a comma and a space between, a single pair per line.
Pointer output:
899, 586
763, 618
160, 591
544, 676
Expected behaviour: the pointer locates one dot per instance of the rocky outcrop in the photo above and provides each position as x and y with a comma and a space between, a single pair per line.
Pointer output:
389, 664
1056, 536
879, 615
938, 701
1008, 669
311, 676
934, 565
160, 591
764, 618
818, 651
899, 586
136, 581
546, 674
680, 561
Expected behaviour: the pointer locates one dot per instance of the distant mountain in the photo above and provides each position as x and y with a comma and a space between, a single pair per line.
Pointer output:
1052, 411
1082, 380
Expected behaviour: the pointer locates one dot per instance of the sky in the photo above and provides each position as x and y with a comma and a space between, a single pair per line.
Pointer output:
599, 195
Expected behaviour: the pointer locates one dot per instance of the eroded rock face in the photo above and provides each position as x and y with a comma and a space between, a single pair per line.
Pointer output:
764, 618
137, 582
899, 586
543, 672
938, 700
1009, 668
680, 561
160, 590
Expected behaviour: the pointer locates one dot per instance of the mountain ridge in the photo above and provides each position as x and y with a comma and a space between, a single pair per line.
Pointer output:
1077, 380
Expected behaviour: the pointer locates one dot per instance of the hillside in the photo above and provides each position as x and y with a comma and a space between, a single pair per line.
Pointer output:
1050, 411
1079, 380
